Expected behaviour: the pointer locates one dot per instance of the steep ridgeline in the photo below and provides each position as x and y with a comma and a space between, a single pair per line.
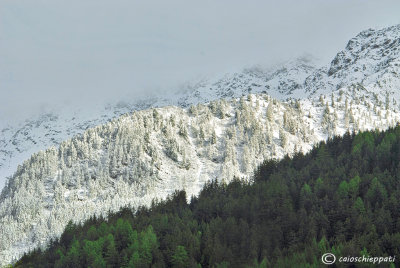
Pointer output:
151, 153
371, 59
19, 140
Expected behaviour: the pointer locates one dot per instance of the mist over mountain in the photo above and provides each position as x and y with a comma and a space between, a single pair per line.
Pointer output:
51, 52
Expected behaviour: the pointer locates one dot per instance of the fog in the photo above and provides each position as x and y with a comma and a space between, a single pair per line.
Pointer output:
84, 52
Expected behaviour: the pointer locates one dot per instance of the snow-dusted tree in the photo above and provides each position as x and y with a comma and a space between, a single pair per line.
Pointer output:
270, 112
213, 138
387, 101
183, 129
283, 137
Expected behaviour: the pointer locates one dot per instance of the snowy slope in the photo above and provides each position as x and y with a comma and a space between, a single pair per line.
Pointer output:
147, 154
371, 59
19, 140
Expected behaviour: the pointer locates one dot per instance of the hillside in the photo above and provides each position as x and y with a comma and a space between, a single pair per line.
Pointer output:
22, 138
217, 130
341, 197
150, 154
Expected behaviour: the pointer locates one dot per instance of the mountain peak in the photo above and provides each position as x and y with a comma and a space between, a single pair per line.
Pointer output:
370, 51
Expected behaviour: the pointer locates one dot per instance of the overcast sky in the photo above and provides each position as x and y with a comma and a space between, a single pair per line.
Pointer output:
54, 51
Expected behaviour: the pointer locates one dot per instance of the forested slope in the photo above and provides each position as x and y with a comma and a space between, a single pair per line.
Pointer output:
341, 197
150, 154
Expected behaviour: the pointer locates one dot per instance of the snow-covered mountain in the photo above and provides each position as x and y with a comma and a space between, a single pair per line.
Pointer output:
19, 140
371, 59
211, 132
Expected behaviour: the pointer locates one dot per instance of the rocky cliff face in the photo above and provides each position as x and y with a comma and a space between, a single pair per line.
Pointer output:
371, 59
